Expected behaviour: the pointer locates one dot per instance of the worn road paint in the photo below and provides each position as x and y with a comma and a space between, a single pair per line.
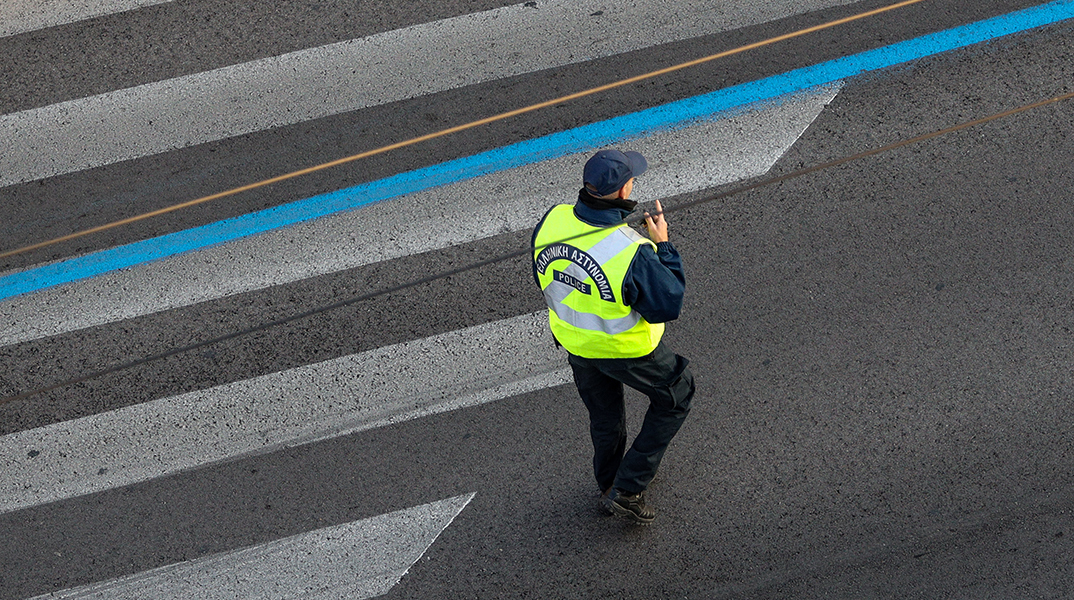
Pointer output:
357, 560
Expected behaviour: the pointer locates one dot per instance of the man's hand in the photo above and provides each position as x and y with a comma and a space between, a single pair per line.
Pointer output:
657, 226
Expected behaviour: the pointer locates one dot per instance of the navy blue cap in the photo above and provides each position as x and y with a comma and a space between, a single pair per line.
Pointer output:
608, 170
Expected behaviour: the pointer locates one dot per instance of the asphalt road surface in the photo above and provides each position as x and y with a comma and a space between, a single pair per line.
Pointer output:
883, 347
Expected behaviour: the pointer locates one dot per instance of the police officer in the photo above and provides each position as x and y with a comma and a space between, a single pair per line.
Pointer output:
609, 292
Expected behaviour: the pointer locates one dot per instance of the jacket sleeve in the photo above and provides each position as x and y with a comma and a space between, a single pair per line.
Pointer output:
655, 284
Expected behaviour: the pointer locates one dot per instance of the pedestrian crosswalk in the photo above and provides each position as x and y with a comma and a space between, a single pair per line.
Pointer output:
442, 371
754, 137
310, 84
126, 446
272, 412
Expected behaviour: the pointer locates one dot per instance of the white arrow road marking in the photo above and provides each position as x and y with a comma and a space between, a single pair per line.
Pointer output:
693, 158
358, 560
319, 82
332, 398
20, 16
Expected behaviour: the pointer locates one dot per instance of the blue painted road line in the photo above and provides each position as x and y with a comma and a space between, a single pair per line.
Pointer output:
669, 116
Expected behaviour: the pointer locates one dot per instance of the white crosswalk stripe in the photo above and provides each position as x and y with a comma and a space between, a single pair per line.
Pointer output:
358, 560
21, 16
686, 160
319, 82
302, 405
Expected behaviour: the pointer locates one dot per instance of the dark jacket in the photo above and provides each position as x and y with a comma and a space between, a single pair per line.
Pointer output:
654, 283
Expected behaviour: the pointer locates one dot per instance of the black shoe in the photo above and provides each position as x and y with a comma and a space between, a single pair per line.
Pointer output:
630, 506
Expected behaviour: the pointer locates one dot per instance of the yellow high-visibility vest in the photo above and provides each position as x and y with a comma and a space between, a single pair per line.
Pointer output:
581, 269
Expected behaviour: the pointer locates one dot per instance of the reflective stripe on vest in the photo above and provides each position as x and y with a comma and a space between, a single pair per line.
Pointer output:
585, 314
557, 291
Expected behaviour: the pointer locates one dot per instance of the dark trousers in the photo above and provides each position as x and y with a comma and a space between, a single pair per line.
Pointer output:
664, 378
